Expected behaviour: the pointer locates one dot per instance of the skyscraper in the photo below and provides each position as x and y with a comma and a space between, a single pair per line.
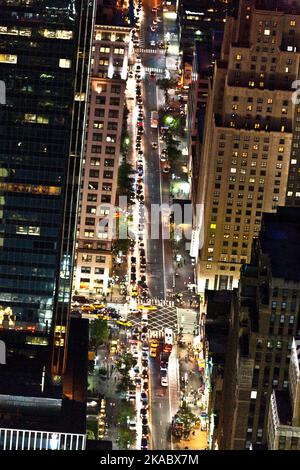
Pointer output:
44, 62
102, 150
247, 137
265, 319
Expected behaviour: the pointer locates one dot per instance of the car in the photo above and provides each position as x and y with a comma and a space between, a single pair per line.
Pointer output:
155, 22
144, 396
152, 74
154, 145
154, 9
145, 374
145, 432
144, 329
143, 412
145, 347
166, 169
132, 425
153, 352
135, 354
163, 366
145, 362
133, 259
137, 381
134, 292
153, 28
164, 382
145, 385
152, 43
154, 343
144, 444
144, 355
133, 278
161, 45
132, 396
124, 323
145, 421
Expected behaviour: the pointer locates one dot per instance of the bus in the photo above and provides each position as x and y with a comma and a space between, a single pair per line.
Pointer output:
154, 119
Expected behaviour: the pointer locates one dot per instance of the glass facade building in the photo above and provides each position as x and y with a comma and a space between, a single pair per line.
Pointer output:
44, 62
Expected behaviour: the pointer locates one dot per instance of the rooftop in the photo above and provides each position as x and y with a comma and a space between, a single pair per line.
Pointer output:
285, 6
280, 240
109, 13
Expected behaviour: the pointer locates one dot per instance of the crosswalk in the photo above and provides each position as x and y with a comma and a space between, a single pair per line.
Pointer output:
164, 316
154, 69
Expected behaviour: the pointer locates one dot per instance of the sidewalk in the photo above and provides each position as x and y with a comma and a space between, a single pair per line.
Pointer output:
190, 384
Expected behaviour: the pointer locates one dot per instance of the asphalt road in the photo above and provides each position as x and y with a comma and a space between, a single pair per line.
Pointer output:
160, 275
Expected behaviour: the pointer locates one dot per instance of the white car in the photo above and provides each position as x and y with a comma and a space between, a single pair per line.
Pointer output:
152, 43
132, 425
154, 145
164, 382
135, 354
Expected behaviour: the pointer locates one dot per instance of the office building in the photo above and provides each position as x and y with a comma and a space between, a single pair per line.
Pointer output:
266, 317
102, 151
199, 20
44, 62
284, 409
247, 137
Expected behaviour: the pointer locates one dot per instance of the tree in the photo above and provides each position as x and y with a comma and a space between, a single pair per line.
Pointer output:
124, 181
122, 244
125, 411
187, 418
167, 84
126, 438
125, 363
99, 331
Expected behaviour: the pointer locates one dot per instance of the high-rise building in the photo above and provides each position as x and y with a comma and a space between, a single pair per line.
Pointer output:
102, 151
199, 20
284, 409
247, 137
44, 62
265, 321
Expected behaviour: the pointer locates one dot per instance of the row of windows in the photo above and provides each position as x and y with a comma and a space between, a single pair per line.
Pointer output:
112, 101
90, 259
88, 270
99, 112
108, 150
111, 126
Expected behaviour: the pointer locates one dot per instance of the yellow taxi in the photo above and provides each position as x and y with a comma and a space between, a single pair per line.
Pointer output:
146, 307
124, 323
153, 352
87, 307
98, 305
154, 343
134, 292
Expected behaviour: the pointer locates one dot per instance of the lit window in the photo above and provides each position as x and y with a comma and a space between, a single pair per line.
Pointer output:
238, 57
292, 23
232, 170
213, 226
294, 161
267, 32
290, 193
251, 83
65, 63
8, 59
253, 394
208, 266
270, 101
